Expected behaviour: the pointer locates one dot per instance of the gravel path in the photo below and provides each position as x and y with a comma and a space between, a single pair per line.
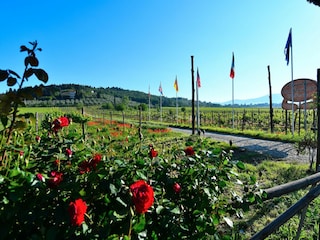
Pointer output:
272, 149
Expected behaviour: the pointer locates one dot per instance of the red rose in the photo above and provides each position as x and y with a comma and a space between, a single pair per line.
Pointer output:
96, 159
38, 138
84, 167
69, 152
76, 210
153, 153
60, 123
56, 179
142, 196
189, 151
176, 188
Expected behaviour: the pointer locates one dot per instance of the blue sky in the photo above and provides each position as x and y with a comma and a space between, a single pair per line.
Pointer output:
134, 44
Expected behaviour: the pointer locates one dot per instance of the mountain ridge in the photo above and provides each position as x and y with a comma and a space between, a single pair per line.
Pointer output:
276, 99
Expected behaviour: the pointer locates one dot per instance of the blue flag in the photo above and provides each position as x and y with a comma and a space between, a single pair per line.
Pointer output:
287, 47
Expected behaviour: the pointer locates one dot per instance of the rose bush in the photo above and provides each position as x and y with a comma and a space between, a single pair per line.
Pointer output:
121, 190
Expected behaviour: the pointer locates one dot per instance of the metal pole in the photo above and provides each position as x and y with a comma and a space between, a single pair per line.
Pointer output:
232, 103
149, 104
318, 121
177, 107
270, 99
192, 87
197, 89
292, 90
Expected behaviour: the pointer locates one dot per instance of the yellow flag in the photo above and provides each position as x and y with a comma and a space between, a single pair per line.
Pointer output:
175, 85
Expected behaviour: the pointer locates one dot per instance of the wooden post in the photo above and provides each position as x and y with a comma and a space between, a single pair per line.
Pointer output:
140, 126
82, 124
299, 120
192, 82
123, 121
286, 123
270, 100
37, 122
294, 209
318, 116
289, 187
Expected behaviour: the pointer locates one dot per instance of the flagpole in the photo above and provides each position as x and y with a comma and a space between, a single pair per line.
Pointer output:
232, 103
161, 94
292, 88
197, 92
232, 77
149, 105
177, 106
160, 108
175, 85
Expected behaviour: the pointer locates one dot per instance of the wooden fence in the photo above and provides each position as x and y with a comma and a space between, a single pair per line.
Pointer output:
243, 119
299, 207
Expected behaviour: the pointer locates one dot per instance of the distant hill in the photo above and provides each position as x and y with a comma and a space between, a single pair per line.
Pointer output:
73, 94
81, 95
264, 100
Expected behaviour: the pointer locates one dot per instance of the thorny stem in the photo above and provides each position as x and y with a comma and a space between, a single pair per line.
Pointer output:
130, 226
14, 115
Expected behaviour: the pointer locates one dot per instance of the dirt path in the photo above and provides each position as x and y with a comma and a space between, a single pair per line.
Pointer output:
272, 149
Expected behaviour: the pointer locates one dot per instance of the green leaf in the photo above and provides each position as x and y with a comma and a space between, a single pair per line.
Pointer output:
119, 216
11, 81
84, 228
140, 224
264, 194
251, 197
3, 75
222, 184
82, 192
228, 221
5, 200
215, 219
32, 60
113, 189
24, 48
106, 199
241, 165
121, 202
14, 172
141, 175
41, 75
1, 179
207, 191
14, 73
159, 209
20, 124
176, 210
253, 179
28, 73
4, 120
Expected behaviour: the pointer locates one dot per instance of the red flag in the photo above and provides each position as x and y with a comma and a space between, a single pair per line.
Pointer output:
232, 73
198, 78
